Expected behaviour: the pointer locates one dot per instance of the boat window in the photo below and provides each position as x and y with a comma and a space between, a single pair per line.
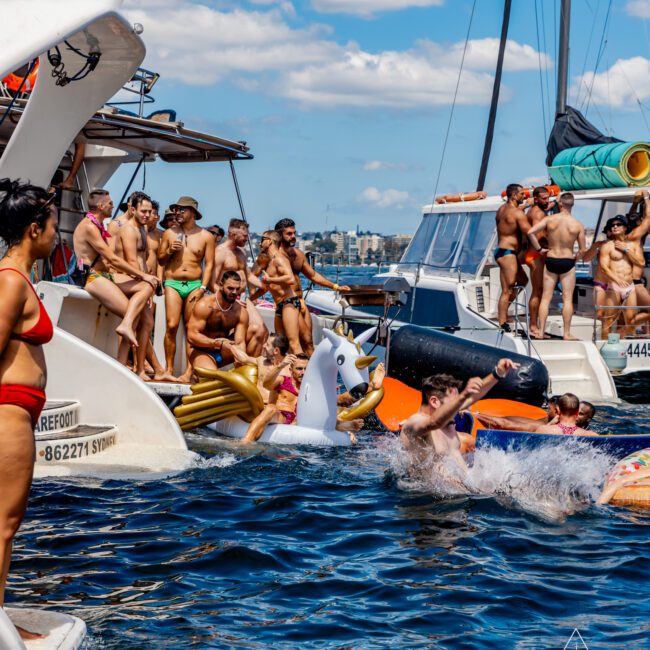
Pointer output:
450, 242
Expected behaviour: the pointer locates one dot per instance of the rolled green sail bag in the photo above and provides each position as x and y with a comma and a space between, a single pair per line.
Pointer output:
597, 166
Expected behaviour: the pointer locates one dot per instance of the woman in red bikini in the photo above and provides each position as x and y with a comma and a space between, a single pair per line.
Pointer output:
27, 226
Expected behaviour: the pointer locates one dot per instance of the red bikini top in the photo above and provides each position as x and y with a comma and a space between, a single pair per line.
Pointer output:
43, 331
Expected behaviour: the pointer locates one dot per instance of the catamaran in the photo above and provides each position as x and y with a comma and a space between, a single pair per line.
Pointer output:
452, 281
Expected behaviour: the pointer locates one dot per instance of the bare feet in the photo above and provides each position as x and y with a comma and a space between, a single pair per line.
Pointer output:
185, 378
163, 375
28, 636
568, 337
127, 333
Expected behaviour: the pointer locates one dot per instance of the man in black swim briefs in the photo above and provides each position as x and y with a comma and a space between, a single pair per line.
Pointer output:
512, 225
563, 230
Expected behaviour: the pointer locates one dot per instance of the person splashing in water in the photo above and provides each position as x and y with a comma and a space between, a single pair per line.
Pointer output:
432, 430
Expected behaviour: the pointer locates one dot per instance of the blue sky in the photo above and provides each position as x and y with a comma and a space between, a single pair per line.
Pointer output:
345, 103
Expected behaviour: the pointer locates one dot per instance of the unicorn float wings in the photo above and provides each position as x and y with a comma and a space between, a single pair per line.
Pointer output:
216, 401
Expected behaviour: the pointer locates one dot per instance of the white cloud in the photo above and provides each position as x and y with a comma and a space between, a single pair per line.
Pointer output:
533, 181
482, 55
389, 79
377, 165
384, 199
638, 8
200, 46
259, 51
367, 8
620, 86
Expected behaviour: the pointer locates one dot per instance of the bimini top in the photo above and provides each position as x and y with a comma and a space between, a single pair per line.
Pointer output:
171, 141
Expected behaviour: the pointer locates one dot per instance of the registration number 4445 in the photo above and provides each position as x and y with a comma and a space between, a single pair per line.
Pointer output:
638, 350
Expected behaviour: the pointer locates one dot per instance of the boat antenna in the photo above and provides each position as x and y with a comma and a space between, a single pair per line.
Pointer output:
563, 59
489, 134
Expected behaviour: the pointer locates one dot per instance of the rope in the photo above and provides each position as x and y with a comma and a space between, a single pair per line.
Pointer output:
20, 88
601, 50
541, 79
591, 34
58, 67
453, 105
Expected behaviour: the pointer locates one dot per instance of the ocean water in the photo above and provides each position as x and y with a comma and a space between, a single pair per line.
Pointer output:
338, 548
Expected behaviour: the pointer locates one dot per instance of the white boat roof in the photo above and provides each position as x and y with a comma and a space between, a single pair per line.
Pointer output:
492, 203
171, 141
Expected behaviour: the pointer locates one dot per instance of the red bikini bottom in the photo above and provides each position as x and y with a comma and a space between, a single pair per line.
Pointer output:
27, 397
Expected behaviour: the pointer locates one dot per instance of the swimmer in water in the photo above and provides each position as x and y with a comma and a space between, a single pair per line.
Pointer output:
432, 428
586, 412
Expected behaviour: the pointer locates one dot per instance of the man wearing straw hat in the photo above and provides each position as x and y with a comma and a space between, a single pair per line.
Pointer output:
187, 253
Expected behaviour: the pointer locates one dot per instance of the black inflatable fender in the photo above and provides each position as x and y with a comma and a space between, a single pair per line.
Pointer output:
417, 352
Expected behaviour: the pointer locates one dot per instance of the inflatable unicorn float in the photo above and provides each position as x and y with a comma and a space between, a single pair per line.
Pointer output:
227, 401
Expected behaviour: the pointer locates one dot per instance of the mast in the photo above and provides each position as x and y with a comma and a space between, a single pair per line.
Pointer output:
563, 59
489, 134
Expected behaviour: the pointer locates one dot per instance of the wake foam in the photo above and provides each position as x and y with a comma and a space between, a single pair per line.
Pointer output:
550, 482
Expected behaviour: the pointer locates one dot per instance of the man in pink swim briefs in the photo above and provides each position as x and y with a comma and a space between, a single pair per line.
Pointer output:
616, 260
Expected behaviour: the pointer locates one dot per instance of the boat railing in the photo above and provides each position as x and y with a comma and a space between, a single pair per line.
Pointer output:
617, 327
523, 327
140, 84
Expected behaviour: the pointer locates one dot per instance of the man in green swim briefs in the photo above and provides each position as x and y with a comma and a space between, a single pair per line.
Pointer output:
187, 253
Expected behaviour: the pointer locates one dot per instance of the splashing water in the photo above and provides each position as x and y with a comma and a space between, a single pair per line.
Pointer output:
550, 482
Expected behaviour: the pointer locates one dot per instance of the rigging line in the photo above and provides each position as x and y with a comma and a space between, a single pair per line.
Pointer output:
555, 31
601, 51
541, 78
636, 97
546, 71
453, 105
584, 64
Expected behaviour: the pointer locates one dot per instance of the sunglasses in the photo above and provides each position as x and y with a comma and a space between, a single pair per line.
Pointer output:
618, 224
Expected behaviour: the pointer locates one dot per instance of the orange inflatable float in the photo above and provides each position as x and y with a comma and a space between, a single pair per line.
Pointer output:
401, 401
460, 198
15, 80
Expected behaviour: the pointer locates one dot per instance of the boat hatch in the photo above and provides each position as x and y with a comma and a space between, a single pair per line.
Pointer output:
451, 243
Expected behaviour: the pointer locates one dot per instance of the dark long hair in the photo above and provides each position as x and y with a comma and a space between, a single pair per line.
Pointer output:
21, 205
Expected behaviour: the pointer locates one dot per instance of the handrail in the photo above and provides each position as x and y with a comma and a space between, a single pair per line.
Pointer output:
604, 308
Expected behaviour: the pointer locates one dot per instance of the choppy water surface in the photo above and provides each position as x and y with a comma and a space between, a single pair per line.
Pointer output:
339, 547
277, 547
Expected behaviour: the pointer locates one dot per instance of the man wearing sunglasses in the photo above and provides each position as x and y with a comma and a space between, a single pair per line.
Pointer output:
616, 260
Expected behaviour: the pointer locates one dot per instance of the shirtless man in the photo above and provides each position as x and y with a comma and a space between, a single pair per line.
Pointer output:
638, 228
299, 264
115, 224
91, 248
432, 428
274, 351
617, 260
562, 232
229, 256
187, 253
535, 260
212, 320
281, 282
154, 237
283, 401
512, 225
